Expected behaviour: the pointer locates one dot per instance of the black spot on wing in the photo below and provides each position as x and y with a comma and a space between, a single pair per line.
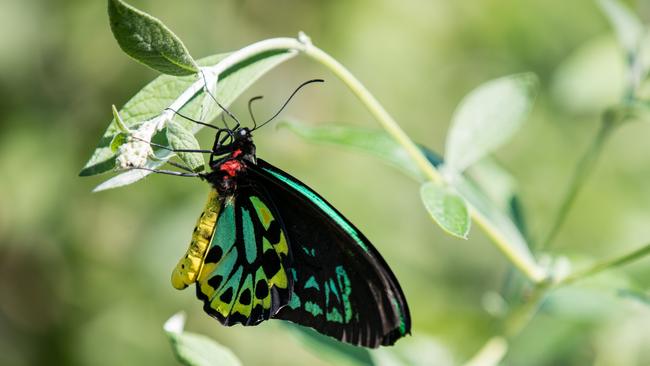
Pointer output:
245, 297
261, 289
270, 263
214, 255
273, 232
215, 281
226, 297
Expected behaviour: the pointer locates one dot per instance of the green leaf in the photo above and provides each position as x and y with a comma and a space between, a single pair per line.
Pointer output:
446, 208
496, 218
640, 296
118, 120
180, 138
193, 349
327, 348
591, 78
375, 142
118, 140
628, 27
161, 92
487, 118
497, 185
149, 41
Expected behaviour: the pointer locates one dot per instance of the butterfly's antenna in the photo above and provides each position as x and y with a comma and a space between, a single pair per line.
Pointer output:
193, 120
207, 90
250, 109
289, 99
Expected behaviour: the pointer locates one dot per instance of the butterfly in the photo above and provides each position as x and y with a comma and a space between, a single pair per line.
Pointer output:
266, 246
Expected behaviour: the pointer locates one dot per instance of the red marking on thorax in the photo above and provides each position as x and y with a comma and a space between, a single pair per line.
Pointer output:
232, 167
236, 153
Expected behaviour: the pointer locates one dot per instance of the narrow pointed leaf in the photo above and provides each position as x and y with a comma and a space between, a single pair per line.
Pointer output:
149, 41
193, 349
375, 142
487, 118
181, 138
446, 208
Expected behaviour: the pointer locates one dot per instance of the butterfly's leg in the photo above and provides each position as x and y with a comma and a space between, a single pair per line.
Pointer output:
169, 172
180, 166
215, 145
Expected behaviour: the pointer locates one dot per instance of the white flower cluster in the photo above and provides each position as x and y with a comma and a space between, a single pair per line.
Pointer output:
137, 150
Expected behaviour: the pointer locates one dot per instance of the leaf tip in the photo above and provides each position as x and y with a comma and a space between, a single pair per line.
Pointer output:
176, 323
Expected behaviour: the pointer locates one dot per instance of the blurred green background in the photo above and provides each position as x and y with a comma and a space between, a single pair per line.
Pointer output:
84, 278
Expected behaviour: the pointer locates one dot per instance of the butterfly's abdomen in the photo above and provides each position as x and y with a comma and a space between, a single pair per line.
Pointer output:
188, 268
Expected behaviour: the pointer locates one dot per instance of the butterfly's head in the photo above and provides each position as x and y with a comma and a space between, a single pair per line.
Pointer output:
243, 133
243, 142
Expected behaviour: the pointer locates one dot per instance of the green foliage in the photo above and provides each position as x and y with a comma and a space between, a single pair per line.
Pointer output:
151, 101
328, 348
193, 349
446, 208
182, 139
149, 41
488, 117
469, 185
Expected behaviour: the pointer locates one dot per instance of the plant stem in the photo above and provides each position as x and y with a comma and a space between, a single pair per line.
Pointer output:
583, 169
522, 315
524, 263
273, 44
605, 265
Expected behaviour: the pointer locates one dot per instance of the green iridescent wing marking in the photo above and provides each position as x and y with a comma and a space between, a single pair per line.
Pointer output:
244, 278
342, 287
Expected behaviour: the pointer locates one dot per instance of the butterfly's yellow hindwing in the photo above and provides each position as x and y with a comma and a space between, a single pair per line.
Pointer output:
243, 278
188, 268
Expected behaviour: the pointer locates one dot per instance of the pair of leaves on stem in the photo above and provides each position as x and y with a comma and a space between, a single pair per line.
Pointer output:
486, 118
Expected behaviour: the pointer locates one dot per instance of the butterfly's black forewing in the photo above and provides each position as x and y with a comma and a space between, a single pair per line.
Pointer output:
342, 287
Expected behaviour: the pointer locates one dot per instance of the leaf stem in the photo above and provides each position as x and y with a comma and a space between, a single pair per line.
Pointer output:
525, 263
521, 316
605, 265
273, 44
583, 168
